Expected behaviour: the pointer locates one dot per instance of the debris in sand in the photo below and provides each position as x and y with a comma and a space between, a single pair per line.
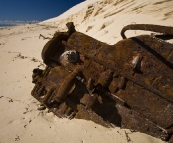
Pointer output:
41, 64
34, 60
127, 137
20, 56
10, 99
44, 37
17, 138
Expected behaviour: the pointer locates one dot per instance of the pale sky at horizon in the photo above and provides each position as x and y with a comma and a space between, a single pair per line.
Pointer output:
28, 10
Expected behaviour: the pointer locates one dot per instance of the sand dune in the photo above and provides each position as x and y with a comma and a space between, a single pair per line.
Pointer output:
117, 14
20, 48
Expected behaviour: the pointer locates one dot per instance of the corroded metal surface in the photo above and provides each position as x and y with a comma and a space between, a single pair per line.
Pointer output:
129, 84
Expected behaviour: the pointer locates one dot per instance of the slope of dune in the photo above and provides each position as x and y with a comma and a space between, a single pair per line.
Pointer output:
20, 49
104, 20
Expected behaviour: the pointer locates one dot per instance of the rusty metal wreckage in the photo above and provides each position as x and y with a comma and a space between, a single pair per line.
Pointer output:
129, 84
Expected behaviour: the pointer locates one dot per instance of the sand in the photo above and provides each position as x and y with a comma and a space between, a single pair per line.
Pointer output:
20, 49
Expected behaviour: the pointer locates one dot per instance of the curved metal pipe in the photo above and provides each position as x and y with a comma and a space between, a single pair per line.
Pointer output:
167, 30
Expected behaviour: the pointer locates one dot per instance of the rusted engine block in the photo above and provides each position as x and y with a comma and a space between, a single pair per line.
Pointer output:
129, 84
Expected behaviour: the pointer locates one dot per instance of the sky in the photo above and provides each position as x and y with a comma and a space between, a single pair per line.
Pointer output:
28, 10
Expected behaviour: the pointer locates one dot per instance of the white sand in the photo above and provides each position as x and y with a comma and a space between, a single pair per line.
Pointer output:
20, 120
